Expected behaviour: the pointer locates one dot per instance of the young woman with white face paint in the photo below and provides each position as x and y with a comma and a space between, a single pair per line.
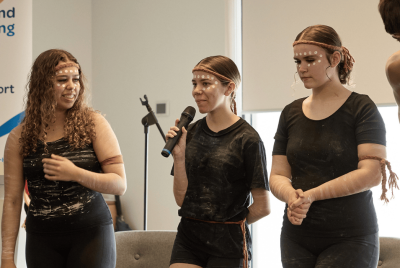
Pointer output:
324, 161
218, 161
68, 154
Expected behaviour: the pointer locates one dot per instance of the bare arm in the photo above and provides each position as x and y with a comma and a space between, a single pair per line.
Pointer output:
260, 207
393, 76
13, 189
112, 181
280, 183
362, 179
180, 177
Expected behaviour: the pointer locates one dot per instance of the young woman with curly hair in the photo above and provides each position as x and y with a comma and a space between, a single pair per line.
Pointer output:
69, 155
325, 161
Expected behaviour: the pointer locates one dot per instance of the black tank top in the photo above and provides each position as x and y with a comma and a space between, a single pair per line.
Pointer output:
59, 206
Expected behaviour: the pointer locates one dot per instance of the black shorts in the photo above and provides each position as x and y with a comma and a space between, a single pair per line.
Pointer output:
183, 253
322, 252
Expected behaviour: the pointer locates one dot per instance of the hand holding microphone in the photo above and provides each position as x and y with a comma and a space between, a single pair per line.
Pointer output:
175, 132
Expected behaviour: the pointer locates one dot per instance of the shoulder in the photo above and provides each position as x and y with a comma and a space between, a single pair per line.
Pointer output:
393, 70
195, 125
360, 101
294, 105
99, 120
249, 134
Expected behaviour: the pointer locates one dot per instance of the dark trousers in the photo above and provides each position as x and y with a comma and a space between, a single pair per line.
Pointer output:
329, 252
92, 248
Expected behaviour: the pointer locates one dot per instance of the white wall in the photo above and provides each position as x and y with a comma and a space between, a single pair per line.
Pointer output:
65, 25
150, 47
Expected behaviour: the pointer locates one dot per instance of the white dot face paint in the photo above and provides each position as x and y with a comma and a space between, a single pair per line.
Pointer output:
297, 54
313, 63
320, 55
208, 76
213, 86
66, 71
58, 85
216, 82
315, 52
208, 88
204, 88
60, 72
198, 76
300, 54
308, 65
202, 76
212, 77
70, 71
63, 85
319, 60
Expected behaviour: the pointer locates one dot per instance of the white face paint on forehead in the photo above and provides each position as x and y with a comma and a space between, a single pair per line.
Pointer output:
307, 51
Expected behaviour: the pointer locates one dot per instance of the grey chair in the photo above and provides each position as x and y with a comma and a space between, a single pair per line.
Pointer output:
389, 254
144, 249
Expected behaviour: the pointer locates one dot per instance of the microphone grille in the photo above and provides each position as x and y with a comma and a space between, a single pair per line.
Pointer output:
190, 110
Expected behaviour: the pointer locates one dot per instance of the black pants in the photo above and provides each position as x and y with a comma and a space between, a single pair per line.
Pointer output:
92, 248
329, 252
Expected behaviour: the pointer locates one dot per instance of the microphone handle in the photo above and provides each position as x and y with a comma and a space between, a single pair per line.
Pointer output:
172, 142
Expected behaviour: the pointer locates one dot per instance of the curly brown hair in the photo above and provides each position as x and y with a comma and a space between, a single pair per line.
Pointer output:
79, 128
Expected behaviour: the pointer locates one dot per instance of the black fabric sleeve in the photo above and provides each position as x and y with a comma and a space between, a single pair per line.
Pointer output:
281, 136
256, 166
369, 125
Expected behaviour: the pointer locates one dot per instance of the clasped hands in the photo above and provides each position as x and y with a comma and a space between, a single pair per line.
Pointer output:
298, 206
58, 168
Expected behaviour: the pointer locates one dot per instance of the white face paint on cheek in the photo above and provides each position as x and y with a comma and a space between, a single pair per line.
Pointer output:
315, 52
63, 85
319, 61
58, 85
313, 63
66, 71
308, 65
202, 76
212, 77
216, 82
320, 55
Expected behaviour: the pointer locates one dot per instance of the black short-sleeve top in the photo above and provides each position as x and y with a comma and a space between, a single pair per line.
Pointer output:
63, 206
221, 169
321, 150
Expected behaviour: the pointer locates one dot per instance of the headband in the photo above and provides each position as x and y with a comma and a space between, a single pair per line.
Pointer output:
65, 65
348, 60
220, 76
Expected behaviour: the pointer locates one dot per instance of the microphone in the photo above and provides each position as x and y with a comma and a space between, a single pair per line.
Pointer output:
186, 117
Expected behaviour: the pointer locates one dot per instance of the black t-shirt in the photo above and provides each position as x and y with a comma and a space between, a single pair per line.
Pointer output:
221, 169
321, 150
63, 206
